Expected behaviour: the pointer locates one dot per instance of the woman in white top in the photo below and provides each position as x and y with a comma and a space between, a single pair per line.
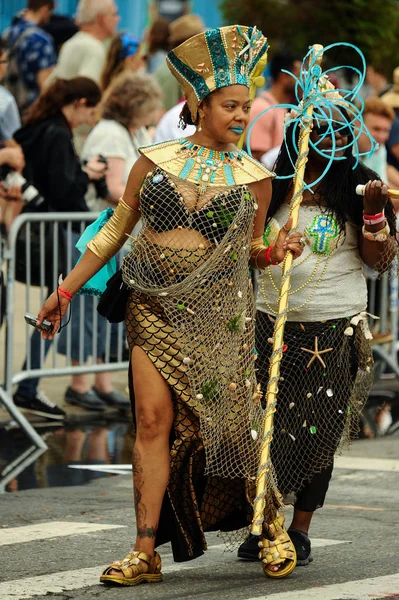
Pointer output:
128, 106
326, 369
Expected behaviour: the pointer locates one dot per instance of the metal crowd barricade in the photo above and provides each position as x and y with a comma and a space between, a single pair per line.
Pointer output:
383, 301
61, 230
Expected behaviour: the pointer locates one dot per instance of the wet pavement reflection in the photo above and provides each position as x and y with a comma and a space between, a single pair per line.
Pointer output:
86, 440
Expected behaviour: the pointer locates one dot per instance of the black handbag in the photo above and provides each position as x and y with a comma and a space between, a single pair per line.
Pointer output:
113, 302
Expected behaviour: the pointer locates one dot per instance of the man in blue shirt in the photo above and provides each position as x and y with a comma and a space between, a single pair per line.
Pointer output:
33, 49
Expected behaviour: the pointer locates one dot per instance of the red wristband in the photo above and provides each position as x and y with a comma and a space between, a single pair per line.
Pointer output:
65, 293
268, 255
373, 217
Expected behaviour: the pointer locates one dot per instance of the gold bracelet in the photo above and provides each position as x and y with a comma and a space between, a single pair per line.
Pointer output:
377, 236
110, 239
258, 246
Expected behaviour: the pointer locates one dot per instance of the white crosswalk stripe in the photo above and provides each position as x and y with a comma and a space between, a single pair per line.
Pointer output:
47, 531
363, 589
360, 463
363, 463
64, 581
77, 579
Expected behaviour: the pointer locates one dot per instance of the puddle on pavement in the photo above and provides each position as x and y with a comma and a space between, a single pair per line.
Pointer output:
80, 440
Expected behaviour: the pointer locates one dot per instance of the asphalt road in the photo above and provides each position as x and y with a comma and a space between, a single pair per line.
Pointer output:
54, 542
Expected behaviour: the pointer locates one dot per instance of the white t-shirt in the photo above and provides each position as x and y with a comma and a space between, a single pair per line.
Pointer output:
327, 281
168, 127
9, 115
113, 140
81, 56
268, 159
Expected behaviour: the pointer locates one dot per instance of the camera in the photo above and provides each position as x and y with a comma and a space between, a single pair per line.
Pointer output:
100, 185
30, 194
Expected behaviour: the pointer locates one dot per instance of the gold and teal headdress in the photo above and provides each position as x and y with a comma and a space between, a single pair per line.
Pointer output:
217, 58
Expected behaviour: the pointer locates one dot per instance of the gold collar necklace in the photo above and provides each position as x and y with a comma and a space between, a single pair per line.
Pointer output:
208, 163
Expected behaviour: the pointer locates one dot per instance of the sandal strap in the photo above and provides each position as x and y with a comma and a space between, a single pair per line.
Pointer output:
279, 548
131, 565
276, 527
147, 558
276, 553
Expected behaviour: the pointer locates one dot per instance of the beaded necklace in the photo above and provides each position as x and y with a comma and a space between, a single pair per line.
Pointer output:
210, 165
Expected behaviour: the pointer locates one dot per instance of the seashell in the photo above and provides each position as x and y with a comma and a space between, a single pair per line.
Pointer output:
158, 178
292, 404
254, 434
186, 360
232, 386
199, 397
349, 331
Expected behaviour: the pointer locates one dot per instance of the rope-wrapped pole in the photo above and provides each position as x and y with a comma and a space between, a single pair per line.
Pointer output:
281, 318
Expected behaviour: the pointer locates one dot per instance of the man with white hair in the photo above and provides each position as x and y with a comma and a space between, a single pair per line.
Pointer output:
84, 54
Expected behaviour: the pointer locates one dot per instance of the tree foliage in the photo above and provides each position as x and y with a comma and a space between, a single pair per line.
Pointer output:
372, 25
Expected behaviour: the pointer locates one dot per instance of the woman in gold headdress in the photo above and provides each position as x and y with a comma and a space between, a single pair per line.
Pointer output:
189, 318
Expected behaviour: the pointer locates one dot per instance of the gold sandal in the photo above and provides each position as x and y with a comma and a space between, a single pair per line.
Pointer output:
132, 570
277, 550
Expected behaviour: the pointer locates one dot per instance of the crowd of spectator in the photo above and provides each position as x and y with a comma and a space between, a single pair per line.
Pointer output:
79, 98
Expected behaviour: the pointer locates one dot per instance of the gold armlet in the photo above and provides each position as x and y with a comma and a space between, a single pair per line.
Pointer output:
257, 247
110, 239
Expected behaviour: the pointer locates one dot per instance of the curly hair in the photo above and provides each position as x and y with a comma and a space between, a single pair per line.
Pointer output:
185, 114
130, 98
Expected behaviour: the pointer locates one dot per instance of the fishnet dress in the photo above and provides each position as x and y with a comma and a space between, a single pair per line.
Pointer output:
191, 311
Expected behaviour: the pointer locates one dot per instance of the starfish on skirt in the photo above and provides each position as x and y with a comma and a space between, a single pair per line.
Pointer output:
316, 353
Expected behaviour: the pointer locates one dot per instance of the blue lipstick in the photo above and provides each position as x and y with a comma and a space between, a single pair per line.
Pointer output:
238, 130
